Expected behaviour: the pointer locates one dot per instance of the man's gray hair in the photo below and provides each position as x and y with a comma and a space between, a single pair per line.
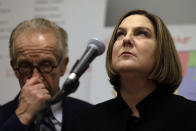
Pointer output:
40, 24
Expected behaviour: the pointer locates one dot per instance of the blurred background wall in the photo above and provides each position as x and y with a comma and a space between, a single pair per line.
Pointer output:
85, 19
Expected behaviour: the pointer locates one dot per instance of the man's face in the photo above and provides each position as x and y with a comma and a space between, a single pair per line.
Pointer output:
36, 48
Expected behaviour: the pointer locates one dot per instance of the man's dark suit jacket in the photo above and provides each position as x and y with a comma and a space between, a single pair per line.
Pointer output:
10, 122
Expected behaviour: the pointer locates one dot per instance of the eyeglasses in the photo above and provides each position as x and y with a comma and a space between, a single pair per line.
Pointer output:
27, 68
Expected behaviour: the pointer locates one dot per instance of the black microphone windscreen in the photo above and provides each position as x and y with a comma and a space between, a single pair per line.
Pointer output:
97, 44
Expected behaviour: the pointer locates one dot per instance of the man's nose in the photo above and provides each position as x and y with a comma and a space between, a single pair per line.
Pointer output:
36, 73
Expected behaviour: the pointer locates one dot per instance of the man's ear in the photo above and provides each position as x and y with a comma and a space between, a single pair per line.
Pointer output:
12, 63
63, 66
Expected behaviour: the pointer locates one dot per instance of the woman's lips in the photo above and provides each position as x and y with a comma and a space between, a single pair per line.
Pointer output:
127, 53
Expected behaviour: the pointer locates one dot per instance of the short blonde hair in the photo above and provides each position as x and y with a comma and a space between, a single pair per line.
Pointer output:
167, 71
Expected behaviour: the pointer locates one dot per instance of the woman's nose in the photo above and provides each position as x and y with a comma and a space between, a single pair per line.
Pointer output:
127, 41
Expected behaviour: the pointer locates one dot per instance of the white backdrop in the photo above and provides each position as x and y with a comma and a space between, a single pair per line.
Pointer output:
83, 19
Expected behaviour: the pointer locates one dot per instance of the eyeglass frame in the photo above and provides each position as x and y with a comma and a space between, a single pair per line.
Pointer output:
38, 68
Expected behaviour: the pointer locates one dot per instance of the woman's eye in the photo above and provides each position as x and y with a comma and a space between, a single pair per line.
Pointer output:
119, 34
142, 33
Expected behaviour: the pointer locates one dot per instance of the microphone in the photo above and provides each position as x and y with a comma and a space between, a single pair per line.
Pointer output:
94, 48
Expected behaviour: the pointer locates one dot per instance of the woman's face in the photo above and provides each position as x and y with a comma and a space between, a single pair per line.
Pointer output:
134, 46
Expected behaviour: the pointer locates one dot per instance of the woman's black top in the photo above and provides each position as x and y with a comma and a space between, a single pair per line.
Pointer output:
159, 111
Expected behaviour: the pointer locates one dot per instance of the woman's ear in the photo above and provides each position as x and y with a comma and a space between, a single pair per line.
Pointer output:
63, 66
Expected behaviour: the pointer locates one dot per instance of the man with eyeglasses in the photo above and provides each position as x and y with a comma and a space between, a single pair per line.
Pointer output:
39, 57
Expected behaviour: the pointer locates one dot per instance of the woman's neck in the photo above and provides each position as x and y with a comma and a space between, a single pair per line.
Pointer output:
135, 89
